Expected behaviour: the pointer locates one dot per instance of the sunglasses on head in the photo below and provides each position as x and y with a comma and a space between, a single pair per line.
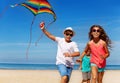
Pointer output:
69, 34
94, 30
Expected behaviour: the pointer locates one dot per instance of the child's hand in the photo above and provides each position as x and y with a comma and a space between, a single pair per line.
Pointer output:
101, 56
102, 59
80, 67
42, 25
66, 54
78, 60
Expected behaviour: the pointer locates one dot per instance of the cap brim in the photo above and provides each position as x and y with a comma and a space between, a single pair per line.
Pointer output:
69, 30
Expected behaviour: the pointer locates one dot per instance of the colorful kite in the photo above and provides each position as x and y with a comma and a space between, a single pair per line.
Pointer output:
37, 7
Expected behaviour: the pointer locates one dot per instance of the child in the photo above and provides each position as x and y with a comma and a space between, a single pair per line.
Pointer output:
67, 50
98, 46
85, 67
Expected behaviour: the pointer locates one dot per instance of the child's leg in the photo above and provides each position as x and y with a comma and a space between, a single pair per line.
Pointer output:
65, 73
100, 77
84, 81
64, 79
88, 77
84, 75
94, 74
100, 74
88, 81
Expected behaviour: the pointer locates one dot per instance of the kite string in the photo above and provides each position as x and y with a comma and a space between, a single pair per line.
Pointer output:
43, 33
4, 10
30, 38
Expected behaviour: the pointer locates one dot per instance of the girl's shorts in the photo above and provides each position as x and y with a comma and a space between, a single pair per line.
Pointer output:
86, 75
64, 71
99, 69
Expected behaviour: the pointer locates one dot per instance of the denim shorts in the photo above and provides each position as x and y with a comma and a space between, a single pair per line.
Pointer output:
65, 71
99, 69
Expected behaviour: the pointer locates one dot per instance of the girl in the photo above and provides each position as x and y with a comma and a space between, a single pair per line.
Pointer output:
98, 46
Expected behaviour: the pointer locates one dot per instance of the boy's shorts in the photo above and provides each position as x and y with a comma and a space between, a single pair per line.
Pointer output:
65, 71
99, 69
86, 75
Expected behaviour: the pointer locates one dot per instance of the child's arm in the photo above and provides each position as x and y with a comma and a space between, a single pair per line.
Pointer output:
85, 51
80, 62
80, 65
42, 26
107, 52
82, 55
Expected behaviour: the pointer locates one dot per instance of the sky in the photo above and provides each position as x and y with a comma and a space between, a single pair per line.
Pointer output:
79, 14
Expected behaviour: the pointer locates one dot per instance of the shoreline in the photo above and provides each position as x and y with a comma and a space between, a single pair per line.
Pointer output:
42, 66
47, 76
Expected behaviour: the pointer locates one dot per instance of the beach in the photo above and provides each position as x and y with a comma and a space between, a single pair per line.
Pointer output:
47, 76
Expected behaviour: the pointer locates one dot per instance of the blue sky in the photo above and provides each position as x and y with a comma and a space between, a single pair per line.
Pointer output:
79, 14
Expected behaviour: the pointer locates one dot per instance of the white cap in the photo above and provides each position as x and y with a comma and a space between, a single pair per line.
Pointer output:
69, 28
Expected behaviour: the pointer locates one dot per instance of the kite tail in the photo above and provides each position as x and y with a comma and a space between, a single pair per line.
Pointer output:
50, 23
43, 33
4, 10
30, 38
14, 5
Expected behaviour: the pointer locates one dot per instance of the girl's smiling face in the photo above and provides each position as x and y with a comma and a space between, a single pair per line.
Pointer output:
96, 32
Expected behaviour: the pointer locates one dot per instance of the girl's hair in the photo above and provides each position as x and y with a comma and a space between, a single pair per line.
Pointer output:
102, 36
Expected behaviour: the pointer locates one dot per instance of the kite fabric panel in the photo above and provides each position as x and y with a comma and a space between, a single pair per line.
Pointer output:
38, 7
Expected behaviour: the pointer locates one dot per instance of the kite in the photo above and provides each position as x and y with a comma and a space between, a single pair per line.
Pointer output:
37, 7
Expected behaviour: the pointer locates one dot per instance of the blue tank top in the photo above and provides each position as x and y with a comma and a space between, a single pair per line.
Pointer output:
86, 67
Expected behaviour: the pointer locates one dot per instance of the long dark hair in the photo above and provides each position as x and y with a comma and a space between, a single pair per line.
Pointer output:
102, 36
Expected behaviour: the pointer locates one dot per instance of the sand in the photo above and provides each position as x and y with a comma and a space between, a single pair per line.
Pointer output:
50, 76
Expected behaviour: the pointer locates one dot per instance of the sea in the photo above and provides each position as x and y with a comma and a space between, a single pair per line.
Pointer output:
17, 66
